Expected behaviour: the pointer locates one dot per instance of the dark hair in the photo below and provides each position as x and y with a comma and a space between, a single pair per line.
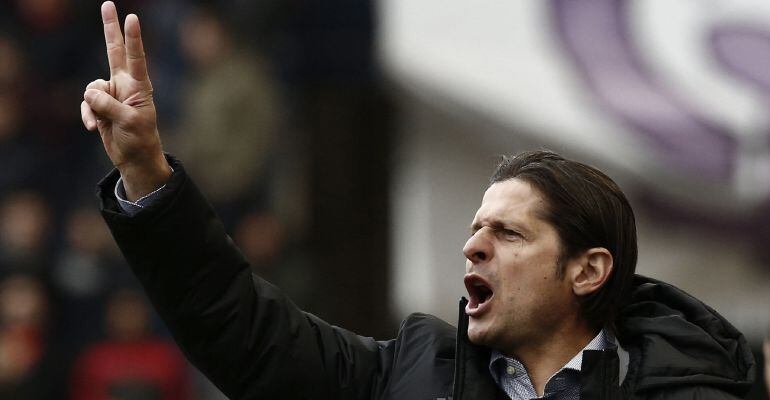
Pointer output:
588, 210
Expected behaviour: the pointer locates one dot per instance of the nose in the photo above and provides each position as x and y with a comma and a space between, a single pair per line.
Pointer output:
479, 247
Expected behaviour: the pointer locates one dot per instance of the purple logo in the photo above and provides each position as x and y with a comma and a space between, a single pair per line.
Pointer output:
596, 36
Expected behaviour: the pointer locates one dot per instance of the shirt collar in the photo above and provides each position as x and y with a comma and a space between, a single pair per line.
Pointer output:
602, 341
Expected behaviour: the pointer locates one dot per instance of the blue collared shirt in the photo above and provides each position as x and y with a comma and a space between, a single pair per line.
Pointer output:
133, 207
512, 377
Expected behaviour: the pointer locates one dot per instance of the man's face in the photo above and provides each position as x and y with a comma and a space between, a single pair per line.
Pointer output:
515, 296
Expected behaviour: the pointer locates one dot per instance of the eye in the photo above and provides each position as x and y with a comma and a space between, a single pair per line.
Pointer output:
510, 234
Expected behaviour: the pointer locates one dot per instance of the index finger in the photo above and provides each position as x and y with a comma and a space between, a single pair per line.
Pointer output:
137, 65
116, 51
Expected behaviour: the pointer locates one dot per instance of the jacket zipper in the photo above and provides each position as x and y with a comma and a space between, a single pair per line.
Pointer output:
462, 330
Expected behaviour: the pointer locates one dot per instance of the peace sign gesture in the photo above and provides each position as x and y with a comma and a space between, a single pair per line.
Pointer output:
123, 111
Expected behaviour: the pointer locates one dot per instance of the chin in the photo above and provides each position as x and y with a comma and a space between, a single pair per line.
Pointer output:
478, 334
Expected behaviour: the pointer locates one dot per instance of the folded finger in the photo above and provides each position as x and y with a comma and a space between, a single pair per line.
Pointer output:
135, 60
88, 116
99, 84
105, 105
116, 52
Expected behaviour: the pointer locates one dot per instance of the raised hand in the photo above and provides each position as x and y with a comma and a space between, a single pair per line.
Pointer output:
123, 111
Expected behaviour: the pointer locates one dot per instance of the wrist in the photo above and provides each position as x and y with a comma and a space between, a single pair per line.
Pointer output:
140, 179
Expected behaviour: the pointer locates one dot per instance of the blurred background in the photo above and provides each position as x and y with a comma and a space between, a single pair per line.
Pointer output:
346, 145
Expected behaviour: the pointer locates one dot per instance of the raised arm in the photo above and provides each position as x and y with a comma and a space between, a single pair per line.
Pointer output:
239, 330
122, 110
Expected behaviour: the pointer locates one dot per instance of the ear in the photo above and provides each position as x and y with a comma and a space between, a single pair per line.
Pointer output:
590, 271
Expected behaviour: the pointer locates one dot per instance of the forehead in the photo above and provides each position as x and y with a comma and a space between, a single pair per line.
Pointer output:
514, 200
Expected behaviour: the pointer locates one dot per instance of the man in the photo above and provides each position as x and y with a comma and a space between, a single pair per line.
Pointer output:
550, 262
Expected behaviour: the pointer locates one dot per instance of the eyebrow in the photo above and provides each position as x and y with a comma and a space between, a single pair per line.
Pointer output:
497, 224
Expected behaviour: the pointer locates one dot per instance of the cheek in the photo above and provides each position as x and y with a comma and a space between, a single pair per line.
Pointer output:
513, 295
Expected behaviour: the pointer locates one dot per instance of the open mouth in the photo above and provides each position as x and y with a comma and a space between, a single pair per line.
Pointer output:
479, 293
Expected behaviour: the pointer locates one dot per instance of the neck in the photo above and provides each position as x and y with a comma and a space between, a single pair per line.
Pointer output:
545, 357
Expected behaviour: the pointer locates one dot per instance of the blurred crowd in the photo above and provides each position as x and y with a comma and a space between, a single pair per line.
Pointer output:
73, 322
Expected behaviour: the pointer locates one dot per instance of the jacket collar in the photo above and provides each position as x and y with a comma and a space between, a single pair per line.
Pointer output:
472, 379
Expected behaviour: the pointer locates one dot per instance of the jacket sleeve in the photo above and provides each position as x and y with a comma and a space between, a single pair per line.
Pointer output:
239, 330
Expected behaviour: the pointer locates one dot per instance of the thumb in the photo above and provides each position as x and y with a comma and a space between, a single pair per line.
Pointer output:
105, 105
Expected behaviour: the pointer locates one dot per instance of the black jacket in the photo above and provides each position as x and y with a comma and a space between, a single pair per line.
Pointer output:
253, 343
